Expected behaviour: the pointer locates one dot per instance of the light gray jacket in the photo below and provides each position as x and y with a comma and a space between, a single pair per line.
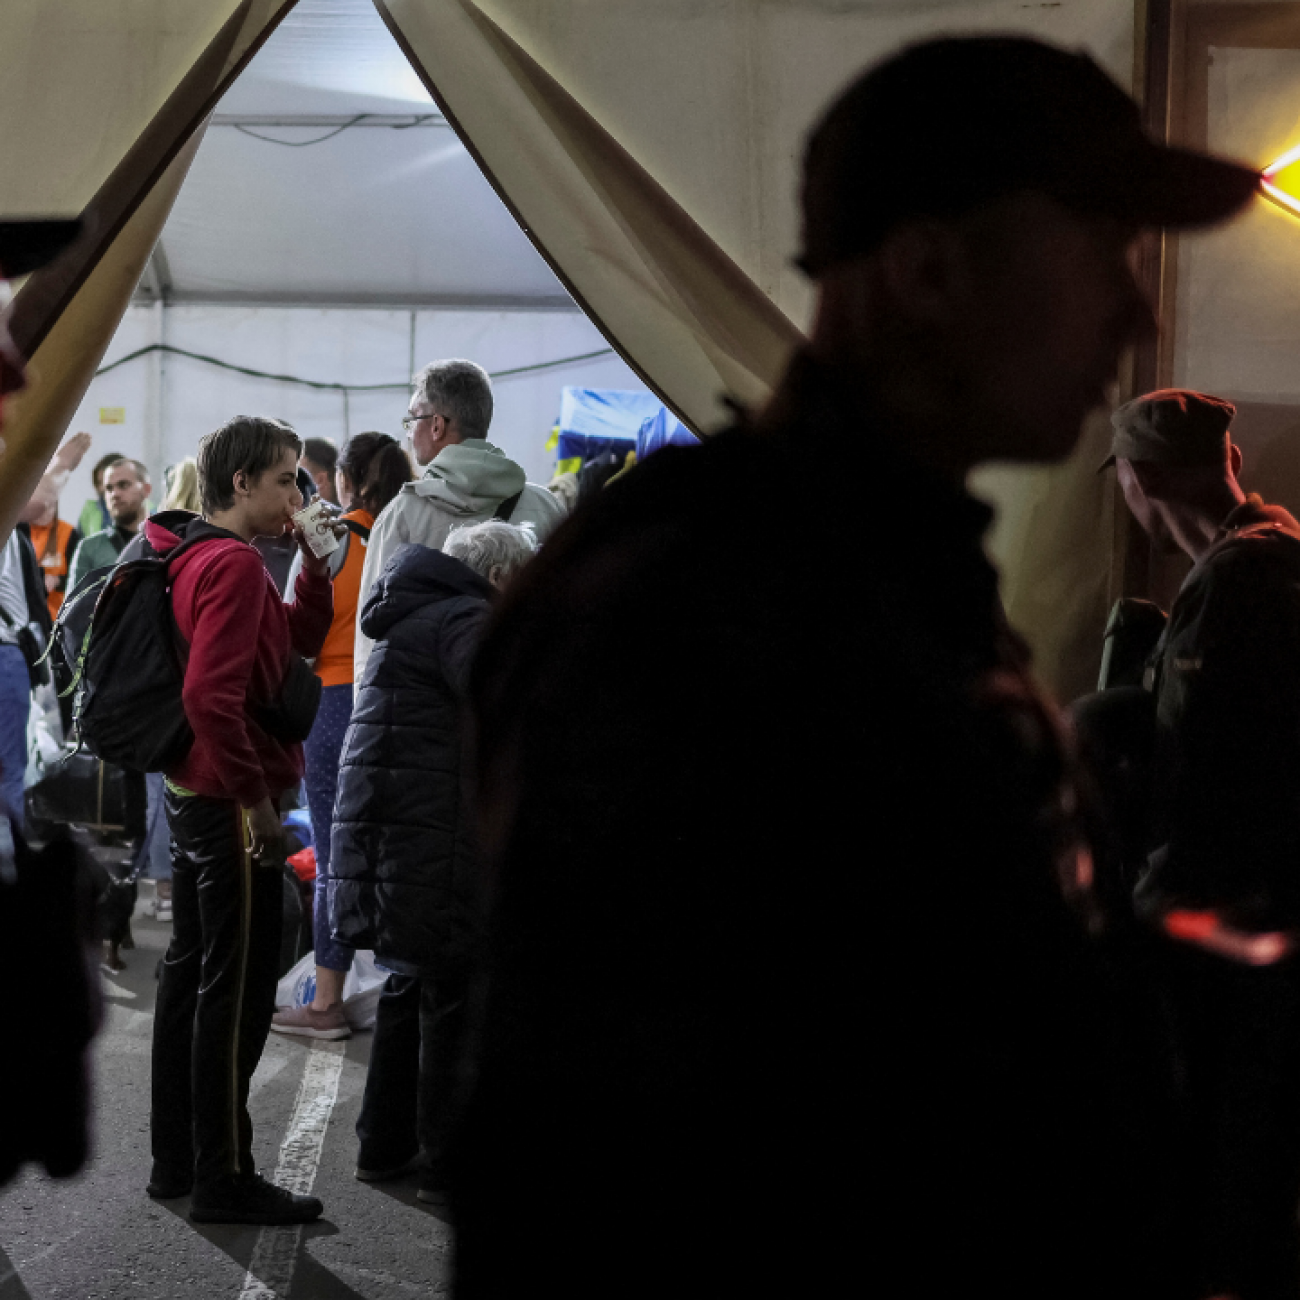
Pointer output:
464, 484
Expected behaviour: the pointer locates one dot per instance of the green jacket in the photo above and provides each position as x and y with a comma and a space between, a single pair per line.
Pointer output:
97, 551
94, 517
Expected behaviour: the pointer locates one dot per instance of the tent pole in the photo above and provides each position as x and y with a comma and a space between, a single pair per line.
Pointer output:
151, 451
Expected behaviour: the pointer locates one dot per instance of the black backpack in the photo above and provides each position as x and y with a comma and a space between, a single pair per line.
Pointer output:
116, 649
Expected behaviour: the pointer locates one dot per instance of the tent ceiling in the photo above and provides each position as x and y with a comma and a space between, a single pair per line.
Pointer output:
374, 215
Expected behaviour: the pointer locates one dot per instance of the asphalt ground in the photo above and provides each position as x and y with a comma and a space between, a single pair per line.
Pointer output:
99, 1237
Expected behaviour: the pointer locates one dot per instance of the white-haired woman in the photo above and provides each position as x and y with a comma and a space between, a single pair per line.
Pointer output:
403, 869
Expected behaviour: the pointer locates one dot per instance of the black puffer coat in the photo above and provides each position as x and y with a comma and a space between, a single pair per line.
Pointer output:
402, 867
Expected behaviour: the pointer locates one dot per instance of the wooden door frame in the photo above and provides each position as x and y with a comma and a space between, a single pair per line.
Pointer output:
1171, 84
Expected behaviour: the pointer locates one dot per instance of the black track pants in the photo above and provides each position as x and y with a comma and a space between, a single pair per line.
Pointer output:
217, 992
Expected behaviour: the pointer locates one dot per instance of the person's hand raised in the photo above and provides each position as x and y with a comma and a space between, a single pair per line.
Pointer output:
69, 456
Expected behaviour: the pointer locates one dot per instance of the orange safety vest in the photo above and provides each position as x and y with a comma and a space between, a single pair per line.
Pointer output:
52, 543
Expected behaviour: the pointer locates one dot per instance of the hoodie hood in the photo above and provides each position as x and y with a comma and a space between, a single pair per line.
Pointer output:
168, 528
415, 577
164, 532
470, 478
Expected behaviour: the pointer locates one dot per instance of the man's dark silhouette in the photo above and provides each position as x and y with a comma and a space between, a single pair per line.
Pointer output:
796, 989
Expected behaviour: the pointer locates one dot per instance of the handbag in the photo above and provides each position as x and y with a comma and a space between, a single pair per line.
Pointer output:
290, 716
38, 669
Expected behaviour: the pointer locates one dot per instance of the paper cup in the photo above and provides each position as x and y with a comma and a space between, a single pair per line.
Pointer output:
315, 522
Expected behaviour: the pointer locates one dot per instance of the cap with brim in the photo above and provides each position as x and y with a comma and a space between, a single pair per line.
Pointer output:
26, 245
1156, 185
1172, 426
951, 124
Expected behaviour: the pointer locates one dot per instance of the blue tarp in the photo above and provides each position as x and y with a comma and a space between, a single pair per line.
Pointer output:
595, 420
662, 430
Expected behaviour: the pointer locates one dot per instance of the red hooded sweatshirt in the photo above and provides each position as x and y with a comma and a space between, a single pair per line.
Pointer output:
240, 634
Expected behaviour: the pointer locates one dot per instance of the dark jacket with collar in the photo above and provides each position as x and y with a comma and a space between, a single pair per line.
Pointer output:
1227, 767
403, 868
777, 822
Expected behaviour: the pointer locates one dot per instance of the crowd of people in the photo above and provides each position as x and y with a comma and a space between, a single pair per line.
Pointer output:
754, 922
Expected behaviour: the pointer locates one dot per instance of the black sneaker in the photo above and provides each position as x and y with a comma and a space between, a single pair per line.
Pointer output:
253, 1200
387, 1171
166, 1186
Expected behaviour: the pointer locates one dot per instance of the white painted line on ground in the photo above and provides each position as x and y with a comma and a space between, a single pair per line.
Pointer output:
275, 1253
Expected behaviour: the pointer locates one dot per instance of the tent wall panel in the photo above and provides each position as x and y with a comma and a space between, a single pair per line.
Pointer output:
168, 402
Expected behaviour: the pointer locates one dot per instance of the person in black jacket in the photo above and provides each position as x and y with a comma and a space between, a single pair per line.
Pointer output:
796, 963
403, 865
1219, 881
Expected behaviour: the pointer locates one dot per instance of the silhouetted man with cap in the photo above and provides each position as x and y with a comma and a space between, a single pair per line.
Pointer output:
795, 988
1223, 878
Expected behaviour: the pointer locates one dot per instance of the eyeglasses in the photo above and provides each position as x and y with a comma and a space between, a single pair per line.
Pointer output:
410, 421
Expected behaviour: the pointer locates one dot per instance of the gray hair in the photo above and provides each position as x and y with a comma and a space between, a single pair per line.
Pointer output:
492, 545
459, 391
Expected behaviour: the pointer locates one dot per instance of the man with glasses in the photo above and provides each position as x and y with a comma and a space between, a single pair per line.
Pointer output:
466, 479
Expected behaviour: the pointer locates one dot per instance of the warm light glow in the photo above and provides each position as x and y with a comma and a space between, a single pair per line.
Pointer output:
1281, 181
1208, 930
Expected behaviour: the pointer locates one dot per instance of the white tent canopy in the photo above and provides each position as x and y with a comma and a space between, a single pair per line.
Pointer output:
389, 211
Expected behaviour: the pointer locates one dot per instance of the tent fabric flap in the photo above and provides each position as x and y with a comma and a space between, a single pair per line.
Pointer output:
62, 367
113, 149
677, 307
672, 218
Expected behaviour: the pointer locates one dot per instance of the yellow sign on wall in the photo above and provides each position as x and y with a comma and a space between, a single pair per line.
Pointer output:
112, 415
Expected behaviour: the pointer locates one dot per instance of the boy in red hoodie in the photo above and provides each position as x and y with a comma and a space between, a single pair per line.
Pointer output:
217, 990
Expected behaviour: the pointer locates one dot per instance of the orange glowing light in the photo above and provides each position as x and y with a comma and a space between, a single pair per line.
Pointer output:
1208, 930
1281, 181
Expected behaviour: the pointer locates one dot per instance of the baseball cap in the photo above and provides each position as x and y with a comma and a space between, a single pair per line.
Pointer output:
948, 124
26, 245
1172, 426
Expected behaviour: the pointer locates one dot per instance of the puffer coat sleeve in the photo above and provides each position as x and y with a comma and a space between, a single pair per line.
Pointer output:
403, 872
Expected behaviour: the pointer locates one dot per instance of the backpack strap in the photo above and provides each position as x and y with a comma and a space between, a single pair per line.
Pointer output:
507, 507
359, 529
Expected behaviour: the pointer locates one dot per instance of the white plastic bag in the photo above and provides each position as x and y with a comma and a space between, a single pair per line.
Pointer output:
361, 988
44, 734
